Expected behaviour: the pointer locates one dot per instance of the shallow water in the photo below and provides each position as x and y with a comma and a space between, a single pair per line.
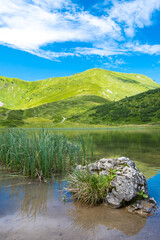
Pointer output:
33, 210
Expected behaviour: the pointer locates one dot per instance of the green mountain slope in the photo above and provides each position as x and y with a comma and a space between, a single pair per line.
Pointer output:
51, 114
139, 109
88, 110
18, 94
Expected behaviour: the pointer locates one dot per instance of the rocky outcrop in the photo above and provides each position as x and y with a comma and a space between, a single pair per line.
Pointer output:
127, 187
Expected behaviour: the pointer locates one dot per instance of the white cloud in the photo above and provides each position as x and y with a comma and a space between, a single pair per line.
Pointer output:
123, 49
51, 4
143, 48
103, 52
30, 25
51, 55
134, 14
114, 63
120, 61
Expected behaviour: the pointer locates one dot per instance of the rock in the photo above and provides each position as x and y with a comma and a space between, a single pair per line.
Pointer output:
142, 207
126, 186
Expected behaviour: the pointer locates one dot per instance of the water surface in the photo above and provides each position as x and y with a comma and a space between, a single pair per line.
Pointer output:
33, 210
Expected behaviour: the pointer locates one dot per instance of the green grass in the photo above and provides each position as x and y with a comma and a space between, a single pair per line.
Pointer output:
40, 154
90, 189
49, 115
113, 86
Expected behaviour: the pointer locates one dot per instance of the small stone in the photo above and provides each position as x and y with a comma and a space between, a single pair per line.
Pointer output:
144, 207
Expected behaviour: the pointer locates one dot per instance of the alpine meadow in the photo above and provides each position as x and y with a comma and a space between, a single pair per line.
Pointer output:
66, 101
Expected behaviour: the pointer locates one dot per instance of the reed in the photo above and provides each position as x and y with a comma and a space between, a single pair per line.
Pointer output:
40, 154
87, 149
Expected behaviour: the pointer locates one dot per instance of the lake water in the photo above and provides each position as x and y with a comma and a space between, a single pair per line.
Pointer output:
30, 210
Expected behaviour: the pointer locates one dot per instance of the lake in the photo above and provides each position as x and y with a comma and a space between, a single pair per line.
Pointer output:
33, 210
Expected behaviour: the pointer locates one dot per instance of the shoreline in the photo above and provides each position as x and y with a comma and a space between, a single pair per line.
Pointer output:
89, 127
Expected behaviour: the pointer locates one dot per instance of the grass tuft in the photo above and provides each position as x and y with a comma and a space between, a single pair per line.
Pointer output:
90, 189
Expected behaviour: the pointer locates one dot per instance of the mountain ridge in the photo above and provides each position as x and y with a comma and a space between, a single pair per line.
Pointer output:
19, 94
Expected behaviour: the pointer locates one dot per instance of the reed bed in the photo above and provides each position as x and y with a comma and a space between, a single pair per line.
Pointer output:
40, 154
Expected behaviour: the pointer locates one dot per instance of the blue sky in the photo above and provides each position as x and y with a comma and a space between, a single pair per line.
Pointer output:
47, 38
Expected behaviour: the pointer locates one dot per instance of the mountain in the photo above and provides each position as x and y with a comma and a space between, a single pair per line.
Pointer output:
139, 109
18, 94
93, 97
50, 114
87, 111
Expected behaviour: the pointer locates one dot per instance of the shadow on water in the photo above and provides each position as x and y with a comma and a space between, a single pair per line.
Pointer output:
88, 219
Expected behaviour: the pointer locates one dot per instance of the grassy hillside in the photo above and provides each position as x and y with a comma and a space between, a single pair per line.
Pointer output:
18, 94
140, 109
51, 114
88, 110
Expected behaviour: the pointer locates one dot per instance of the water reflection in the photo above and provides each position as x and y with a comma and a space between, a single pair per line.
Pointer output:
38, 206
88, 219
31, 196
32, 199
33, 210
141, 145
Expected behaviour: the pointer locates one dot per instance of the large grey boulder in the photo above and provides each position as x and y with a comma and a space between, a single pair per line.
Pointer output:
127, 184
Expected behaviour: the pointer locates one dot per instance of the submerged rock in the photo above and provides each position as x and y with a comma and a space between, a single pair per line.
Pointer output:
143, 207
126, 186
